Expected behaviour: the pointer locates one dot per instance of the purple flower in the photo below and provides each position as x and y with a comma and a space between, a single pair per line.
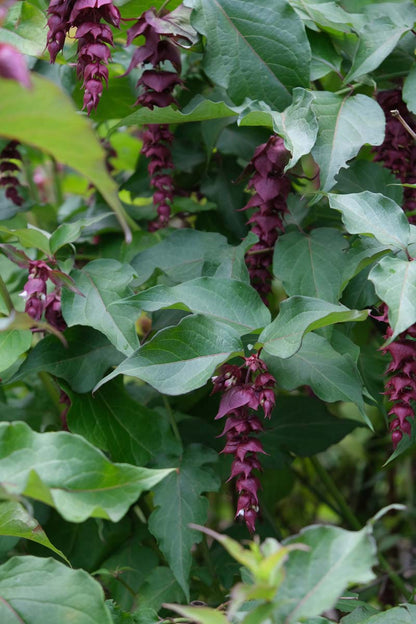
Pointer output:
245, 388
13, 65
271, 188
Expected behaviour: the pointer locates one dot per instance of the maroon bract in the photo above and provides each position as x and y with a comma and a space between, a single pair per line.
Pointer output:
156, 89
37, 301
246, 389
13, 65
271, 188
400, 387
93, 36
398, 150
8, 170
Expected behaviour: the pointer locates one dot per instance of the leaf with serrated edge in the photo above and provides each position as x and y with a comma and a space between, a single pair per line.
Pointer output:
395, 283
345, 125
182, 358
298, 316
178, 502
373, 214
225, 300
65, 471
36, 590
17, 522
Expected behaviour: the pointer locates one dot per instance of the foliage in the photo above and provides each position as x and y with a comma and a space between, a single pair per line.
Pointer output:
207, 212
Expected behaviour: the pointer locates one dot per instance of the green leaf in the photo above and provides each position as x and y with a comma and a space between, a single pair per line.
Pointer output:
332, 376
116, 423
379, 35
68, 136
317, 577
81, 363
312, 265
375, 215
395, 283
201, 615
328, 15
65, 471
298, 316
182, 358
324, 57
103, 282
28, 33
184, 255
178, 502
304, 426
70, 232
297, 125
405, 614
259, 49
17, 522
228, 301
12, 344
364, 175
30, 237
345, 125
159, 588
36, 590
409, 90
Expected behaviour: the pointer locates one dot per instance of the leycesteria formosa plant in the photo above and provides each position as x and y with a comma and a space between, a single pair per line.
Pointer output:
207, 214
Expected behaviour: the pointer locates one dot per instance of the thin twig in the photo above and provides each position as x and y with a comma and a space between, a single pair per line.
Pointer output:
395, 113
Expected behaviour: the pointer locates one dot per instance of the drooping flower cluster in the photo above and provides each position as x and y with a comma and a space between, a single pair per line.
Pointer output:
271, 188
94, 38
9, 169
400, 387
38, 301
246, 389
156, 89
398, 150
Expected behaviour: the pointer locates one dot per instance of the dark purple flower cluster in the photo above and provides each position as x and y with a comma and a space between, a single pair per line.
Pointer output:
93, 36
38, 302
400, 388
245, 389
13, 65
8, 170
156, 89
271, 188
398, 150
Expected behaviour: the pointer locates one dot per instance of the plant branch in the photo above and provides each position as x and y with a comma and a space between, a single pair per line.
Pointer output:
395, 113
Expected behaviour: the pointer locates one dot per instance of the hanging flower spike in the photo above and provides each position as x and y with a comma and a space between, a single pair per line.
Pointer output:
93, 36
400, 387
37, 301
8, 170
156, 89
245, 389
398, 150
271, 188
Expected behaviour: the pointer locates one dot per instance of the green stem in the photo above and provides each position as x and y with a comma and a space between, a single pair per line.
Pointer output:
6, 296
354, 522
172, 420
57, 187
51, 389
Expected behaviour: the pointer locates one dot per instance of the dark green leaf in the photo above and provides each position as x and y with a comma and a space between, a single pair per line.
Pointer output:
103, 282
178, 502
116, 423
160, 587
259, 49
182, 358
364, 175
82, 363
304, 426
